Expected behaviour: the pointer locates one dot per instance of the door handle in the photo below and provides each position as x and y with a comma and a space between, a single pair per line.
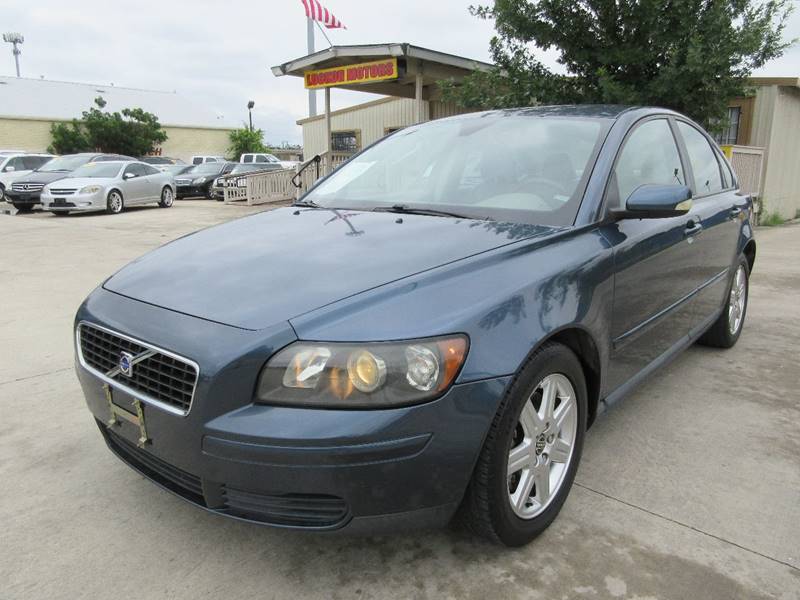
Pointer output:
693, 227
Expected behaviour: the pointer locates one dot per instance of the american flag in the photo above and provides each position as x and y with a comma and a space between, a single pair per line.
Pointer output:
317, 12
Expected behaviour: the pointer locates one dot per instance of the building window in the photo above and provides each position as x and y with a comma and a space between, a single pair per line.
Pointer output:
345, 141
729, 135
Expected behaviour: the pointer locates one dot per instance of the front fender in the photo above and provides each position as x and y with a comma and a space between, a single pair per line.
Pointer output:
507, 300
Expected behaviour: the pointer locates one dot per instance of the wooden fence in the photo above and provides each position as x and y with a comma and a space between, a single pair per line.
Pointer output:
278, 186
748, 163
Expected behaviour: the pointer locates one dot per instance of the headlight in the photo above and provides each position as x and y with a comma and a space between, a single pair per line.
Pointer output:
90, 189
370, 375
199, 180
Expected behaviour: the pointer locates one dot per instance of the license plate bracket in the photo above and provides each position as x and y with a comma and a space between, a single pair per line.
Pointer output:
137, 419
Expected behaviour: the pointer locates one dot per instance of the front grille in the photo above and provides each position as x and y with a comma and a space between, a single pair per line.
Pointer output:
183, 181
27, 187
297, 510
156, 375
62, 191
176, 479
61, 203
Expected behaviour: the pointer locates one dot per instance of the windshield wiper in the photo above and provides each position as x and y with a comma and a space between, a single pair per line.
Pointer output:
307, 203
408, 210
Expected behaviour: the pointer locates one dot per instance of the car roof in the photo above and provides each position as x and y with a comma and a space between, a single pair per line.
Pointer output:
596, 111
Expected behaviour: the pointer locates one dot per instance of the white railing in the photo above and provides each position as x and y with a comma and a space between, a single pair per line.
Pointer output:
748, 163
278, 185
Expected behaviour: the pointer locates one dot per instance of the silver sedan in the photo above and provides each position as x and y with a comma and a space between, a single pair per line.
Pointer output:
109, 186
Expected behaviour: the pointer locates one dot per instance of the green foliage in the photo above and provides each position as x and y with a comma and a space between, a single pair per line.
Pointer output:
770, 219
689, 55
244, 141
132, 131
68, 138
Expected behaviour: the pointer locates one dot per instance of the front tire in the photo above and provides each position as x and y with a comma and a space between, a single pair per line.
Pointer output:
210, 191
528, 462
167, 197
114, 203
23, 207
725, 331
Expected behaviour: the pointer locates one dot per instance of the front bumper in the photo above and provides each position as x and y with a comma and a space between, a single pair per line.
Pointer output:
22, 198
185, 191
73, 202
315, 469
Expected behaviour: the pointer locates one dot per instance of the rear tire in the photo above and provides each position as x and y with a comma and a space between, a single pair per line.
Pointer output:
503, 503
725, 331
114, 203
167, 197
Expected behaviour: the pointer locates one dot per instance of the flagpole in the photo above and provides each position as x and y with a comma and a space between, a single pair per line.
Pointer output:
312, 94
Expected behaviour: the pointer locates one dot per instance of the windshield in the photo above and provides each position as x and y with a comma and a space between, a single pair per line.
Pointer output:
98, 169
502, 167
245, 168
174, 169
206, 168
65, 163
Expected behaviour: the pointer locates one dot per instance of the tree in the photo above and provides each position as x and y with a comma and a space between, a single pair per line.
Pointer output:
689, 55
132, 131
244, 141
68, 138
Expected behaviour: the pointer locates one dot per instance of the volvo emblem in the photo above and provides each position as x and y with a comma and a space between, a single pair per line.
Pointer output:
126, 364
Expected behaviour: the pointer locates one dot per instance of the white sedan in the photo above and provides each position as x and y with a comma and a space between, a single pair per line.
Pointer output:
109, 186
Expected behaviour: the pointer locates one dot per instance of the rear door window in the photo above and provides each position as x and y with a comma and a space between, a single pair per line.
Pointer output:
705, 167
650, 156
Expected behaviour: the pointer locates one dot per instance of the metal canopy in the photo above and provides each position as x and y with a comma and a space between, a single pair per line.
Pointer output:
431, 66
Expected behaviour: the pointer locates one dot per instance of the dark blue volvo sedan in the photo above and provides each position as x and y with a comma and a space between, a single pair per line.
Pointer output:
428, 332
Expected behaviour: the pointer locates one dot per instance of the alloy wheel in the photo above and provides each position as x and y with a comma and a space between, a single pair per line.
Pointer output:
737, 300
115, 202
167, 197
542, 446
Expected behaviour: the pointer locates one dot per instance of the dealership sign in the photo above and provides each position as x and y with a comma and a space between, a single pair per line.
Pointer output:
377, 70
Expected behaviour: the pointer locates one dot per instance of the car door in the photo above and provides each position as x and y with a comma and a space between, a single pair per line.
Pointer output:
135, 185
653, 258
153, 179
718, 210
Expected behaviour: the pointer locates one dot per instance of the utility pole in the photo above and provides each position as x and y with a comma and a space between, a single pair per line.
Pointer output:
312, 94
15, 39
250, 106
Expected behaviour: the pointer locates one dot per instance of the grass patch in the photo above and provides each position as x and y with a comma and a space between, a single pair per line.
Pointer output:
771, 219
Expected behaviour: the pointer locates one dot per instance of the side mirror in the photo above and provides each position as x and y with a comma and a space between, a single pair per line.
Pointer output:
10, 169
656, 202
129, 175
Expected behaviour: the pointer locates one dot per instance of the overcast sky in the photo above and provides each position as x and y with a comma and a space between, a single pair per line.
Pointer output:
219, 53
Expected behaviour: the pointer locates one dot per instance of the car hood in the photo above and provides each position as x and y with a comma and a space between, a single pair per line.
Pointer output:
79, 182
42, 177
257, 271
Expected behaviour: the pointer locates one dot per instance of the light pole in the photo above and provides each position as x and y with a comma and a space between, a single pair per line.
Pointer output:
14, 38
250, 106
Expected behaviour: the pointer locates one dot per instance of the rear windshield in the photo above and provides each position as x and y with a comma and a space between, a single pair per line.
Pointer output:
507, 167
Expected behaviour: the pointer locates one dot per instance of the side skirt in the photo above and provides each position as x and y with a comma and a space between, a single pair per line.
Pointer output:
663, 360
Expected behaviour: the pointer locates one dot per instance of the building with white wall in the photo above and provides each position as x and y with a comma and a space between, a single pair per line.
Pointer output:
28, 107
